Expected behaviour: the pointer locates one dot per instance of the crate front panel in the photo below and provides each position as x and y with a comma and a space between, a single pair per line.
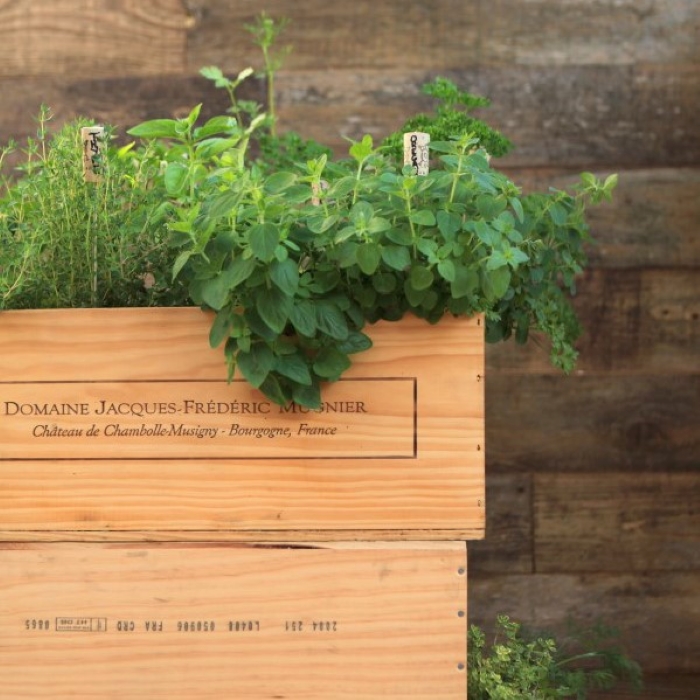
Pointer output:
122, 420
210, 622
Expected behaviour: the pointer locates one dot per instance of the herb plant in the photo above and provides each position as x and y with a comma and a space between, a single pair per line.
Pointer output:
516, 665
70, 243
296, 262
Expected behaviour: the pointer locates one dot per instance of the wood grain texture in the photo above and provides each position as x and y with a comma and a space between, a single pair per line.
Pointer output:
592, 423
414, 463
623, 523
670, 687
507, 546
313, 623
589, 32
657, 615
636, 321
357, 35
92, 37
454, 33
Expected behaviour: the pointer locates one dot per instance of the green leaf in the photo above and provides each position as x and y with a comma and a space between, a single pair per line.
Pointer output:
446, 269
215, 291
368, 257
216, 125
331, 321
496, 282
264, 239
496, 261
465, 282
396, 257
423, 217
256, 364
355, 342
181, 261
400, 236
272, 388
223, 204
362, 150
303, 318
384, 283
294, 367
221, 327
490, 207
285, 275
330, 363
361, 213
558, 213
321, 223
307, 396
175, 178
449, 224
420, 277
280, 181
517, 207
156, 129
274, 307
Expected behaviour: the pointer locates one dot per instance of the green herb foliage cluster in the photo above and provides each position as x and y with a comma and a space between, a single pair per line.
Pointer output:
293, 250
68, 243
296, 262
516, 665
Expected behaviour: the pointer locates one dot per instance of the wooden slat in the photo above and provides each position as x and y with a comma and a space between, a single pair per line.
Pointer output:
390, 622
653, 220
635, 321
550, 32
598, 423
402, 449
361, 34
670, 687
507, 545
657, 615
616, 523
92, 37
455, 33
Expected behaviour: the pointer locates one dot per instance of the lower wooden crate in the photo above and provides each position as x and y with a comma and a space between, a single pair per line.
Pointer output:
220, 621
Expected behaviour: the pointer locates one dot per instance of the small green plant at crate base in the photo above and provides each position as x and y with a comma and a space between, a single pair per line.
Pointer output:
516, 665
293, 250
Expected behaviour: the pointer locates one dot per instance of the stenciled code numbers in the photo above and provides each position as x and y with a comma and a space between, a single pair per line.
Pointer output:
196, 626
35, 624
244, 626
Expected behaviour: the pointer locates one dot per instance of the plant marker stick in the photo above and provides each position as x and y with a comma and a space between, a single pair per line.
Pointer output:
92, 138
317, 189
416, 151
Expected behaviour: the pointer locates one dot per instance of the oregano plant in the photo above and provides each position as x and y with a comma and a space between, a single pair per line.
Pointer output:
296, 262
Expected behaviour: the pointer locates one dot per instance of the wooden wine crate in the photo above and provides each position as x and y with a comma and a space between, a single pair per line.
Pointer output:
208, 622
121, 423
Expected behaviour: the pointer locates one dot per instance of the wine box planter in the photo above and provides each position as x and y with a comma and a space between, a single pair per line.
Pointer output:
210, 621
121, 424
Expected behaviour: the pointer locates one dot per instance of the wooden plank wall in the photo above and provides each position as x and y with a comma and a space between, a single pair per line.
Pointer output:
593, 485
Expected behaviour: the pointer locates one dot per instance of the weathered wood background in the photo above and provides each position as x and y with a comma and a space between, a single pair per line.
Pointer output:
593, 488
